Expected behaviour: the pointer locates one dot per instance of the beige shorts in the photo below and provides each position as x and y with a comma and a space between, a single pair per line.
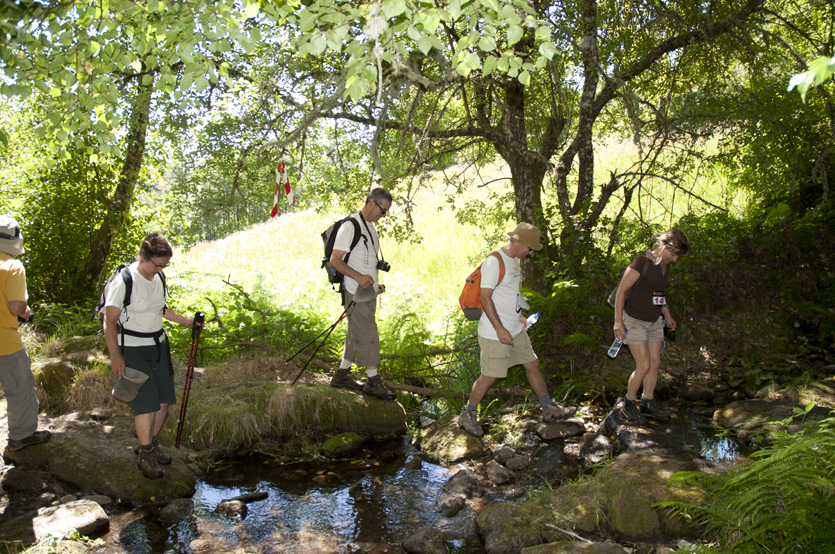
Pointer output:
496, 357
643, 332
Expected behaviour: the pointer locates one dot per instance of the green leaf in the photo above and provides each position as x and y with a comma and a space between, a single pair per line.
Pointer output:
454, 9
424, 45
490, 63
490, 4
514, 34
548, 50
251, 9
487, 44
525, 78
393, 8
509, 15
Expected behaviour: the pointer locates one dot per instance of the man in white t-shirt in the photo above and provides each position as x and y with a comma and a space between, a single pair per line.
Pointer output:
502, 330
359, 292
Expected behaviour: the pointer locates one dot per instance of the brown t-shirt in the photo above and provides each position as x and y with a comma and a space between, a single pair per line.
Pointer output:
645, 295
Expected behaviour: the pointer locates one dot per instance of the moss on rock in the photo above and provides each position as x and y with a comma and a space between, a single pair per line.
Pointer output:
228, 415
444, 441
341, 445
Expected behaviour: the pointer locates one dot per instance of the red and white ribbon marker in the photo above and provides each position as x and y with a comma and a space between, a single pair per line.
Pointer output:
281, 179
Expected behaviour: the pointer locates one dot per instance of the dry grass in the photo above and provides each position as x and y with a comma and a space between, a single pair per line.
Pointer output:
92, 390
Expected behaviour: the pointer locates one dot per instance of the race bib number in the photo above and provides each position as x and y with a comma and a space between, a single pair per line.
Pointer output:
658, 299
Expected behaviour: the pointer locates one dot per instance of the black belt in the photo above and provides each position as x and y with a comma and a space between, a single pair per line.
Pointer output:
153, 335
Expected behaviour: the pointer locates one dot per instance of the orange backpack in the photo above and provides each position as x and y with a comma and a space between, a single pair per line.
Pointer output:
470, 299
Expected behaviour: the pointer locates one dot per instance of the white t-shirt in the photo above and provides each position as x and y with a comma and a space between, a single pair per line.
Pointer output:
506, 296
364, 256
144, 314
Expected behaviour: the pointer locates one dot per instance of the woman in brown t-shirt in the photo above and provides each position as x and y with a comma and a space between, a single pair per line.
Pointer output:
640, 308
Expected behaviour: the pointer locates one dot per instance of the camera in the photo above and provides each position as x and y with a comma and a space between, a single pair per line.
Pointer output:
383, 265
30, 320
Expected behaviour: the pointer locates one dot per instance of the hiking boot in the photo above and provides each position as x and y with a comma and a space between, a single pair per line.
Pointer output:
555, 411
631, 412
159, 454
468, 421
375, 387
342, 380
147, 464
650, 408
38, 437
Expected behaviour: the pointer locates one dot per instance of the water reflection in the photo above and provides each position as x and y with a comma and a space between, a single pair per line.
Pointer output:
715, 446
370, 506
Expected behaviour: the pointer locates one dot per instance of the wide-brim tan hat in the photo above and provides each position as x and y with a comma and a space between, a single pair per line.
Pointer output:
528, 235
128, 386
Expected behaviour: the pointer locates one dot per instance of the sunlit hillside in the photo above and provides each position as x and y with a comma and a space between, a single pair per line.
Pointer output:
283, 256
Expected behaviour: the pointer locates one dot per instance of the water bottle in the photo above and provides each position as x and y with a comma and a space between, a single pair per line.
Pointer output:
533, 318
615, 348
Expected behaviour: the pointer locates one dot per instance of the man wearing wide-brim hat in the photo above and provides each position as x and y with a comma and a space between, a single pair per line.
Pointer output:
15, 366
503, 329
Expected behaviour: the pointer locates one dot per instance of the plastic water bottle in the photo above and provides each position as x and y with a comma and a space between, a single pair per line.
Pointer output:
533, 318
615, 348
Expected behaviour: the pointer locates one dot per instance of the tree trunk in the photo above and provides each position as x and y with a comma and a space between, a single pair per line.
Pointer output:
527, 193
122, 199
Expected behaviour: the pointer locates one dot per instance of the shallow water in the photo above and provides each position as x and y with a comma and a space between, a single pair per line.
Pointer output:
367, 505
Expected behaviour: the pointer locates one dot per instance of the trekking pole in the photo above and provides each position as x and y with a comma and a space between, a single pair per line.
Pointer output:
329, 330
199, 318
314, 338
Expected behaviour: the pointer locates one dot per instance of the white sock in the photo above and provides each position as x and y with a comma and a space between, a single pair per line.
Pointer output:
346, 364
371, 372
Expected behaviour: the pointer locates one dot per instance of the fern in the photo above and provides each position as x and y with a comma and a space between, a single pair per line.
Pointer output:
579, 339
782, 501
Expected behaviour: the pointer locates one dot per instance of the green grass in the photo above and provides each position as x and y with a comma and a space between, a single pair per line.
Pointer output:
282, 258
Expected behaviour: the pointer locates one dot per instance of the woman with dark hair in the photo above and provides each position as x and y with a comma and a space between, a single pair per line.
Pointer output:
639, 319
136, 339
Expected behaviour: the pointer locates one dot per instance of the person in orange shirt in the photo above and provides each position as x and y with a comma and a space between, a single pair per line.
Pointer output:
15, 366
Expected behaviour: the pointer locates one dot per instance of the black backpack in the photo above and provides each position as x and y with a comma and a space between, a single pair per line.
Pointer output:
123, 271
329, 237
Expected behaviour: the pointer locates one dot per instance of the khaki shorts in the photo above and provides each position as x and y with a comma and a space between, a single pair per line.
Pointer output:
643, 332
496, 357
362, 339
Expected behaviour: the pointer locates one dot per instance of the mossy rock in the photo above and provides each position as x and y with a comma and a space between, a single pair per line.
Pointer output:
54, 378
231, 414
341, 445
99, 457
505, 527
89, 343
633, 483
617, 501
444, 441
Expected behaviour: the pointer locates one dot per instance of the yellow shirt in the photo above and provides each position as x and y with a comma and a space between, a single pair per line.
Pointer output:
12, 287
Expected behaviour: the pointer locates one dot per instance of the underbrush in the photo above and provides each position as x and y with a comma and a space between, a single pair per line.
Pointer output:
782, 501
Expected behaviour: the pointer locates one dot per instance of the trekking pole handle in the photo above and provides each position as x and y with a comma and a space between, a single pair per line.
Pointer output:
199, 319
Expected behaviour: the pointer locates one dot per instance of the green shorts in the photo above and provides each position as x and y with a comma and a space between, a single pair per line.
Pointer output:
159, 388
643, 332
497, 358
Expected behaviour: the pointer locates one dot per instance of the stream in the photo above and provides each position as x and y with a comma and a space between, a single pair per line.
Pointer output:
369, 504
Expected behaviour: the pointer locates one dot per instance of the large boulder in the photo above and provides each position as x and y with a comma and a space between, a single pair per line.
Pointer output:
444, 441
229, 414
753, 417
616, 502
95, 455
85, 516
